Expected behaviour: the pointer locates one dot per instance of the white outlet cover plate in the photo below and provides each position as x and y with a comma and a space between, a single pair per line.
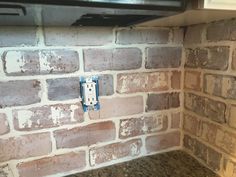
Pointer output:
89, 92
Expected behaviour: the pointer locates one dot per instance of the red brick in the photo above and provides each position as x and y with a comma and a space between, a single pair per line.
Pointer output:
25, 146
194, 34
18, 62
234, 60
221, 30
63, 88
189, 143
142, 82
77, 36
144, 125
4, 126
163, 57
112, 59
53, 165
191, 124
200, 151
69, 88
178, 35
22, 36
203, 106
162, 101
206, 154
162, 141
20, 92
192, 80
232, 120
195, 56
175, 79
32, 62
222, 139
215, 61
119, 106
220, 85
115, 151
47, 116
85, 136
143, 36
208, 58
106, 85
175, 120
214, 159
226, 141
208, 132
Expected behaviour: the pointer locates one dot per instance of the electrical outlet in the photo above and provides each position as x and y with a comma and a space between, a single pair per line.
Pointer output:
89, 93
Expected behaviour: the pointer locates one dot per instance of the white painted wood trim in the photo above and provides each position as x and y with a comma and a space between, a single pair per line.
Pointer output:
220, 4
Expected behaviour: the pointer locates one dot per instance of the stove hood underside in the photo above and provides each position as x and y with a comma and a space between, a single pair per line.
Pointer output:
85, 12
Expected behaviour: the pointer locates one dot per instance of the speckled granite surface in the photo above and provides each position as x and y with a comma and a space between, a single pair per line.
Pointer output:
171, 164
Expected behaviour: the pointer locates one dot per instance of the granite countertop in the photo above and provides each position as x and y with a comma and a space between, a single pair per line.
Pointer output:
171, 164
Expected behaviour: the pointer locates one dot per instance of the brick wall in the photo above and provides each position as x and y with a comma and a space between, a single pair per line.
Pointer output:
210, 95
43, 129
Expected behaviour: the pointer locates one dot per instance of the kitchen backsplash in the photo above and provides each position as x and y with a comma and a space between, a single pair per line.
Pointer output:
43, 129
210, 95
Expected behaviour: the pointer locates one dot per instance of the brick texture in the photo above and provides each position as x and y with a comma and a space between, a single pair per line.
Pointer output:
229, 167
27, 62
221, 31
219, 85
232, 120
16, 93
75, 36
162, 101
144, 125
69, 88
163, 57
175, 120
234, 60
194, 57
143, 36
203, 106
25, 146
192, 80
63, 88
119, 106
115, 151
85, 136
20, 36
53, 165
106, 85
209, 118
192, 125
4, 126
175, 79
142, 82
215, 58
47, 116
194, 34
112, 59
206, 154
226, 141
178, 35
208, 131
162, 141
211, 133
